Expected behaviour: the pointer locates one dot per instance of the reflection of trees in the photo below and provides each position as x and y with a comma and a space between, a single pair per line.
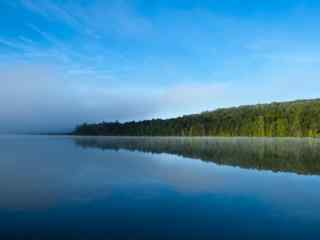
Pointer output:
288, 155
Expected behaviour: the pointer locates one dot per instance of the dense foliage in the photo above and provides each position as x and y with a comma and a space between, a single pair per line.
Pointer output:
296, 119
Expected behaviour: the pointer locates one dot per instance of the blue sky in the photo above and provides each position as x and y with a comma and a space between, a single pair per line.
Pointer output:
66, 62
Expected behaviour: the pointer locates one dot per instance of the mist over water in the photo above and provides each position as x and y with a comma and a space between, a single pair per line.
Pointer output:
276, 154
156, 188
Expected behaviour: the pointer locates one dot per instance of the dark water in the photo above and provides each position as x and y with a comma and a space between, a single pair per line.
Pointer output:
159, 188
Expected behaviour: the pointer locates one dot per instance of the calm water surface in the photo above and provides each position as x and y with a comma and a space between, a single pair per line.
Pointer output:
159, 188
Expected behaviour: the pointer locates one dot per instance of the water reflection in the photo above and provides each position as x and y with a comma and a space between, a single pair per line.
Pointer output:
52, 188
300, 156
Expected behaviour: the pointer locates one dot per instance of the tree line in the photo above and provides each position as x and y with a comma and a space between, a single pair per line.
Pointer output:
285, 119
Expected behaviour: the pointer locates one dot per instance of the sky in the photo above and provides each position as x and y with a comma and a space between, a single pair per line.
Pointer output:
67, 62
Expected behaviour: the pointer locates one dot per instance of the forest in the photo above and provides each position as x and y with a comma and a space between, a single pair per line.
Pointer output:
299, 118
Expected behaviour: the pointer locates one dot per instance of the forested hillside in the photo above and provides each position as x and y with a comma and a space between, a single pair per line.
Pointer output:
297, 119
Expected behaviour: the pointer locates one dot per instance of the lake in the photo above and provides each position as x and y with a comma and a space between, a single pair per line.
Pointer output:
62, 187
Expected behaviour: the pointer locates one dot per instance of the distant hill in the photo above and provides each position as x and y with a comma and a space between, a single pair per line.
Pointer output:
279, 119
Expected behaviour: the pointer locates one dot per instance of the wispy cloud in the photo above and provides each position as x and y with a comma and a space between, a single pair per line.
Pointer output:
107, 60
11, 44
94, 19
49, 9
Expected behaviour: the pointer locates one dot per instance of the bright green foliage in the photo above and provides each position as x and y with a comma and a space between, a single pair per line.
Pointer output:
297, 119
